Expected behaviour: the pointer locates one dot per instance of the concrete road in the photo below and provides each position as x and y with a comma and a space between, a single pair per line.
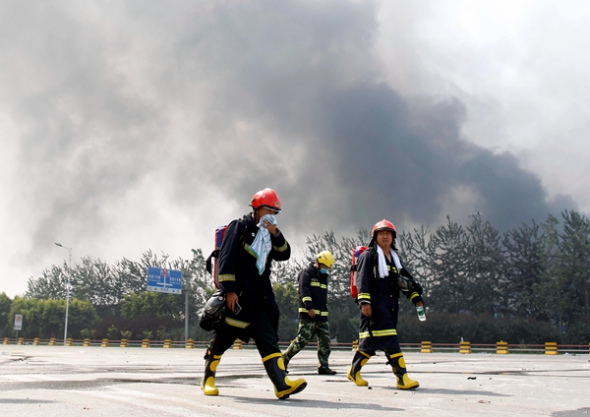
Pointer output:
94, 381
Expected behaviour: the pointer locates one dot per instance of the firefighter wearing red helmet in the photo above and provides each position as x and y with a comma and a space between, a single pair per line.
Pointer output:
381, 277
384, 225
244, 277
266, 198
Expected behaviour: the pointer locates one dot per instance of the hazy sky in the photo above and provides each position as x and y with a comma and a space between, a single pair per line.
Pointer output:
135, 125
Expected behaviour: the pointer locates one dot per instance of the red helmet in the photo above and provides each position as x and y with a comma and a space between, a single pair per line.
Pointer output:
383, 225
266, 198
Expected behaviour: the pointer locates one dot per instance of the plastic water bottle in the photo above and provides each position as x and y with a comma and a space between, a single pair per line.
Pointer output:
421, 313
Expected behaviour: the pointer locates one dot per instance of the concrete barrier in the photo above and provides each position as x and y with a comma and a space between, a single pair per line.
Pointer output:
502, 348
426, 347
551, 348
465, 347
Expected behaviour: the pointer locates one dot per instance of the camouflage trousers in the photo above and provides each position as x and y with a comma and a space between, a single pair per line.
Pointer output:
307, 330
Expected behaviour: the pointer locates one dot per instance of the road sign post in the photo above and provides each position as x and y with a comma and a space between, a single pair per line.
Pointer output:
18, 323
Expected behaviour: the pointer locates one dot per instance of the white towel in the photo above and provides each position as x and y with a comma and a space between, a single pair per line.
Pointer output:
383, 264
262, 243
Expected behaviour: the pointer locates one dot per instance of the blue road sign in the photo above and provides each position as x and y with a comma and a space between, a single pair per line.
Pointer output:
164, 280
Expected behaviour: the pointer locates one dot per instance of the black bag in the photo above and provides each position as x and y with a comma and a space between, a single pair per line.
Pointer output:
213, 314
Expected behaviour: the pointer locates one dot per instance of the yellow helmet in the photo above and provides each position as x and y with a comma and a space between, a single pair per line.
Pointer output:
325, 258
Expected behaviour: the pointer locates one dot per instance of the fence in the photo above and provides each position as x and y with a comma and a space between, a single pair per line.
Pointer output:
501, 347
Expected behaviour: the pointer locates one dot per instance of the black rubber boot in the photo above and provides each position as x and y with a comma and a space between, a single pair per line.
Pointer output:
276, 371
398, 364
354, 372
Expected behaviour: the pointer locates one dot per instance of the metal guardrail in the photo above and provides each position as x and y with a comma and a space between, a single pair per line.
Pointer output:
407, 347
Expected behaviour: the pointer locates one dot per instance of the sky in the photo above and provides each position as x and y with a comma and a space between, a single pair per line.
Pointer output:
129, 126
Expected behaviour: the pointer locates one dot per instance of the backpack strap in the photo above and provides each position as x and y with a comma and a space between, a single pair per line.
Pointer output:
209, 262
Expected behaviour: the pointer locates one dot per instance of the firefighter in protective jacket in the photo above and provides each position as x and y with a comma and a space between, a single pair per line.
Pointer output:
244, 275
380, 279
313, 311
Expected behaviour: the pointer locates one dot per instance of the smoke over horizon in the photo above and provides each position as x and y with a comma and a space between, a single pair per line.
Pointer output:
138, 123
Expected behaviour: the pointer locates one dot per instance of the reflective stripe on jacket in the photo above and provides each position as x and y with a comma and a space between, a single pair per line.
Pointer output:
313, 293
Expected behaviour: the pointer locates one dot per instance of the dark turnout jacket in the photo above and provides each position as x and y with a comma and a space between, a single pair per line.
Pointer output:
237, 272
313, 293
379, 330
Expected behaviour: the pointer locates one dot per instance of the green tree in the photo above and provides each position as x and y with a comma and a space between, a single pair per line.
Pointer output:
484, 268
524, 269
572, 277
5, 325
95, 281
447, 265
153, 304
51, 284
46, 318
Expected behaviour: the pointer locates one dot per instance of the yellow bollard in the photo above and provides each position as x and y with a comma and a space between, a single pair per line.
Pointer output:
6, 341
36, 341
190, 344
502, 348
167, 343
145, 343
86, 342
238, 344
124, 343
21, 341
551, 348
69, 341
104, 343
426, 347
465, 347
355, 345
52, 341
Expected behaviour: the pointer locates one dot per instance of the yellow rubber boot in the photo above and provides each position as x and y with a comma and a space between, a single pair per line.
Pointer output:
354, 372
284, 387
208, 381
405, 382
399, 369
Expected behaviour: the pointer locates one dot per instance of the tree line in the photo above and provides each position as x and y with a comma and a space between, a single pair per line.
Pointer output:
529, 284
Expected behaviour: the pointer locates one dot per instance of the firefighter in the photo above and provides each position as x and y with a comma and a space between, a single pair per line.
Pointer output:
313, 311
380, 279
249, 246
